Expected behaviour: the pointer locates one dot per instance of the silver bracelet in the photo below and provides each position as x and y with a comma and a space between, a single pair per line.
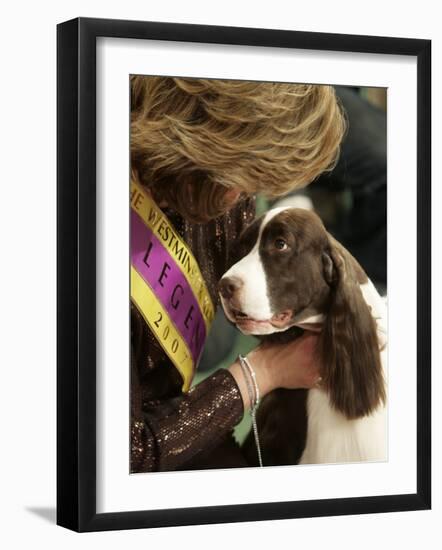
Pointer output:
249, 383
249, 375
255, 383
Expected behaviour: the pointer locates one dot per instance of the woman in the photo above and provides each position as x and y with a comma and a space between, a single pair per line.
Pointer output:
201, 149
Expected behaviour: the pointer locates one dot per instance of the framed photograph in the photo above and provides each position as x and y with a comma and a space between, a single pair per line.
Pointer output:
243, 281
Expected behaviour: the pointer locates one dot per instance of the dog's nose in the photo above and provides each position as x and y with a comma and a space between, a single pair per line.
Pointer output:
228, 286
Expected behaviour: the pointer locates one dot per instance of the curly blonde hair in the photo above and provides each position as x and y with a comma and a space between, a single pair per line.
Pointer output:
191, 139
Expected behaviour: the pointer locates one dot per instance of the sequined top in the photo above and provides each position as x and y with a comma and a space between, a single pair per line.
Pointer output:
171, 430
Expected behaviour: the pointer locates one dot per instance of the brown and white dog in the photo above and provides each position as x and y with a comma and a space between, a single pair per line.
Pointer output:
291, 274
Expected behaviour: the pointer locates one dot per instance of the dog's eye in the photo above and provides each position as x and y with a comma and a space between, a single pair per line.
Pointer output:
280, 244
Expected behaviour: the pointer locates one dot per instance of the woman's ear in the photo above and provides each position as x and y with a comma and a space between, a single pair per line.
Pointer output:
349, 346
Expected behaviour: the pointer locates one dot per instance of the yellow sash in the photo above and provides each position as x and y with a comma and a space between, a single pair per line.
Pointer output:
167, 286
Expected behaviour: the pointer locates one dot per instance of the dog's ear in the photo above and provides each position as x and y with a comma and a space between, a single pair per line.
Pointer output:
349, 346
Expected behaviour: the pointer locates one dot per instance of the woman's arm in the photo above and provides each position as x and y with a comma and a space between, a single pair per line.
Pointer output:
168, 433
173, 431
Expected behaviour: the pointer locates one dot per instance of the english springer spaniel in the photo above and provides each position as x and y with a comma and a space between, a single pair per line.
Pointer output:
291, 275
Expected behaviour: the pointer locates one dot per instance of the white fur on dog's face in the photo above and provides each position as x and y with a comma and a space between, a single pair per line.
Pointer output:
254, 299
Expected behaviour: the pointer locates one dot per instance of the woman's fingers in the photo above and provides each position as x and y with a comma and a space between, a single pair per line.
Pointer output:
298, 363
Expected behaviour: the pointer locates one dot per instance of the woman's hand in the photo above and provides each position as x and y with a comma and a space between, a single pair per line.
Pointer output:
291, 366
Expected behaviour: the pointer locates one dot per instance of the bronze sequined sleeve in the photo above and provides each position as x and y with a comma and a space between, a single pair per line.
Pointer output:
175, 431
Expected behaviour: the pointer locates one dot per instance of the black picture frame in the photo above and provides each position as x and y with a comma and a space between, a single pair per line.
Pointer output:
76, 273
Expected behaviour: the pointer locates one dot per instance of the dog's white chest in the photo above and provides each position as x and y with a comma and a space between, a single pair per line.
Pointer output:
332, 438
